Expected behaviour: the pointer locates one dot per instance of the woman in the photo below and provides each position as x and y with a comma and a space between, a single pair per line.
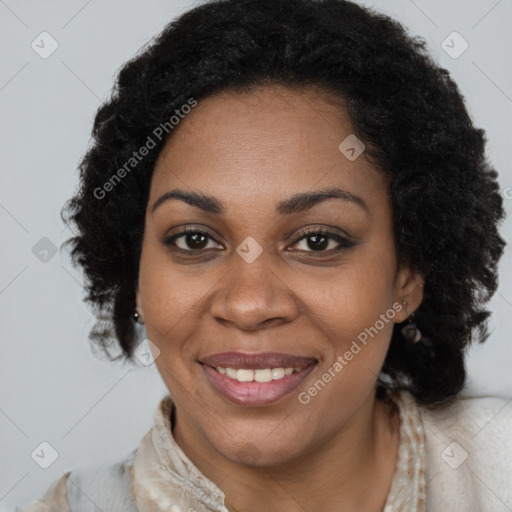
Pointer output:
289, 200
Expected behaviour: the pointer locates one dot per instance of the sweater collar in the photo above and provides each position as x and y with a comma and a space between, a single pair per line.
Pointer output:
163, 477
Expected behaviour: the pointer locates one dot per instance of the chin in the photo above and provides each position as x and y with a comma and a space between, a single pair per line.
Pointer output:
266, 447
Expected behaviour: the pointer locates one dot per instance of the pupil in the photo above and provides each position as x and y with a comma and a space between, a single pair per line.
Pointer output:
192, 240
316, 244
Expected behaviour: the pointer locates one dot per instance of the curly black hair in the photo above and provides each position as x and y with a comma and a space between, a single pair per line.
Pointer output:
405, 108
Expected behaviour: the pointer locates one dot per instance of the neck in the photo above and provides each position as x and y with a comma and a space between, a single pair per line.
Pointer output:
351, 471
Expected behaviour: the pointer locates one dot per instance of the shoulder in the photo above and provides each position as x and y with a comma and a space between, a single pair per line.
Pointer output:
105, 487
54, 499
469, 454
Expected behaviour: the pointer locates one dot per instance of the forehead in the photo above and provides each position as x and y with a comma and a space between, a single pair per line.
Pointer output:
263, 146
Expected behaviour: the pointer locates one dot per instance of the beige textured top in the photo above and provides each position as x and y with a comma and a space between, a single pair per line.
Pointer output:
163, 478
455, 460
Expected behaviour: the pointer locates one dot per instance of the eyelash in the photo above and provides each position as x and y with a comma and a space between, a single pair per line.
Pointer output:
344, 243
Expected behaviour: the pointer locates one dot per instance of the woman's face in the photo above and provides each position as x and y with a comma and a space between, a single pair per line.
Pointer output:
246, 289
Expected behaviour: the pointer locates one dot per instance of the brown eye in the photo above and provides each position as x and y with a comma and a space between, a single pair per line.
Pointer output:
320, 240
189, 240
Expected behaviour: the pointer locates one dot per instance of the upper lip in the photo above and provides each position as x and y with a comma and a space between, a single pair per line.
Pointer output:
256, 360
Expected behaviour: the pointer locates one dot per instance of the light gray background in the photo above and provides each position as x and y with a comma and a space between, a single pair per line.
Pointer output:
52, 387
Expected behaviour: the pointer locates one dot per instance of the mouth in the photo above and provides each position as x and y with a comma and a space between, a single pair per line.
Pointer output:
256, 380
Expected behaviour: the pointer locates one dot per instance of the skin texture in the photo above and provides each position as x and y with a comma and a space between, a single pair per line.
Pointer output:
252, 150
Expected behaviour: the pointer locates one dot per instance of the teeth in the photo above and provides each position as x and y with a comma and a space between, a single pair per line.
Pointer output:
231, 373
245, 375
263, 375
259, 375
277, 373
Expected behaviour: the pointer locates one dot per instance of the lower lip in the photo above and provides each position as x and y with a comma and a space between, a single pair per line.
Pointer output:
255, 394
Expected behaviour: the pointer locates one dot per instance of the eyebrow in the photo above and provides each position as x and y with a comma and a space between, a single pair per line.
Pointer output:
294, 204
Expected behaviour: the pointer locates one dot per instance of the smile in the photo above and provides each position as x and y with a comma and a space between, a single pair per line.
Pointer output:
255, 380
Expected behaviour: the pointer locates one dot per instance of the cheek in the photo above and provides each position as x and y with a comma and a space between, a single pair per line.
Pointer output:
352, 296
353, 311
171, 313
174, 299
354, 314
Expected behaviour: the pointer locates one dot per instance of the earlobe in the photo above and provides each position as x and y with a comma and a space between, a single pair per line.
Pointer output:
409, 289
138, 315
137, 297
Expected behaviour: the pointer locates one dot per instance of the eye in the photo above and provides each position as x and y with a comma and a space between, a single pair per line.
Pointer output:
194, 239
318, 240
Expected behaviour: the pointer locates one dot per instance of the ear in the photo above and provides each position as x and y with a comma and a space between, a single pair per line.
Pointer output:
408, 287
137, 297
138, 302
139, 312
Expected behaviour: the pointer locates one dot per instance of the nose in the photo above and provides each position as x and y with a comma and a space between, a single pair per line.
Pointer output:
253, 296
